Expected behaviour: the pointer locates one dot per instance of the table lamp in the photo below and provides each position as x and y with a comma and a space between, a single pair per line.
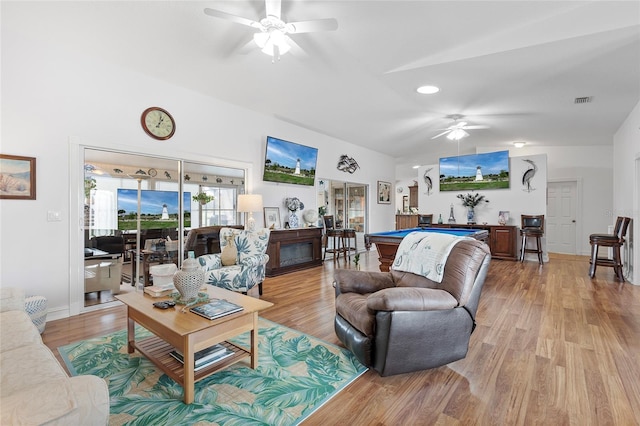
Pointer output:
249, 203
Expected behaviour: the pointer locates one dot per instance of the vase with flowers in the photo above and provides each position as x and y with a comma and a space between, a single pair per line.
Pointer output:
470, 201
293, 204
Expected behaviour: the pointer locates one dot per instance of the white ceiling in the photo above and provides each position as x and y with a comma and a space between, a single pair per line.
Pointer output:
515, 66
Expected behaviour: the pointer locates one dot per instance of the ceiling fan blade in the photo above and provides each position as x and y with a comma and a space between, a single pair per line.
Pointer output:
248, 47
441, 134
233, 18
328, 24
273, 8
479, 126
296, 50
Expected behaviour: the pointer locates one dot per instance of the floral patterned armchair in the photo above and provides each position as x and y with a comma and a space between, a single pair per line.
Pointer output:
251, 261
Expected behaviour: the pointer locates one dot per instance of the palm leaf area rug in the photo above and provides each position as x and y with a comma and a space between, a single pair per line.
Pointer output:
296, 374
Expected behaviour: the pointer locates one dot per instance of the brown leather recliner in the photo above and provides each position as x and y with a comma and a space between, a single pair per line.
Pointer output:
398, 322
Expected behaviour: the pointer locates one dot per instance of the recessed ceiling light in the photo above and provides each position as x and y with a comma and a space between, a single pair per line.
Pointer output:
416, 167
519, 144
428, 90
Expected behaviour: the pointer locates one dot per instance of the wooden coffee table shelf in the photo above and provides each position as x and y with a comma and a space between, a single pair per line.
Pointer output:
157, 350
190, 333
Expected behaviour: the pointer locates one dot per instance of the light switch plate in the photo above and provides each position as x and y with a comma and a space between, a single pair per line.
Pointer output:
53, 216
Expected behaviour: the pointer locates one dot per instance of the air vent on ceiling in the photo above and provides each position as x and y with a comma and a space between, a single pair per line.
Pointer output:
583, 100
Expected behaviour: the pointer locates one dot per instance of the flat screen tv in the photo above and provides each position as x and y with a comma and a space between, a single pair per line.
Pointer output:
289, 162
475, 171
158, 209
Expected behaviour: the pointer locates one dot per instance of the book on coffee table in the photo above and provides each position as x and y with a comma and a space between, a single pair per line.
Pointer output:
157, 291
216, 308
206, 356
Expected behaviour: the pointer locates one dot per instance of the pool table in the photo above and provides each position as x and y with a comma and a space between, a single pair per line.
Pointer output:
387, 242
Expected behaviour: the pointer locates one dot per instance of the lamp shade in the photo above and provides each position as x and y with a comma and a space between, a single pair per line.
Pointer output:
248, 203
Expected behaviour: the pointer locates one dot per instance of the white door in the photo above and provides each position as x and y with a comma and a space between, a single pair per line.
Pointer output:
560, 227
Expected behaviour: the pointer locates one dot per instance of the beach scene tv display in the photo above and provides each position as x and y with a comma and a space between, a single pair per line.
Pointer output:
474, 172
289, 162
158, 209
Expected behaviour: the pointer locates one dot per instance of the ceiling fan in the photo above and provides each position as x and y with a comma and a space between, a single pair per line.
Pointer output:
457, 130
273, 35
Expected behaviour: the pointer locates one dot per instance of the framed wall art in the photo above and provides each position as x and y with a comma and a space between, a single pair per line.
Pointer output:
17, 177
384, 192
272, 218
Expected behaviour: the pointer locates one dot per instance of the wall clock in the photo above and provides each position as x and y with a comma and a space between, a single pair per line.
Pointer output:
158, 123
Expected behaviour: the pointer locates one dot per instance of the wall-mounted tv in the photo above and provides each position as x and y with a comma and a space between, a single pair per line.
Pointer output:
289, 162
475, 171
158, 209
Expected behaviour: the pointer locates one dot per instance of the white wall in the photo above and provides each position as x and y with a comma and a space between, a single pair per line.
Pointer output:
626, 179
515, 199
403, 186
55, 99
590, 166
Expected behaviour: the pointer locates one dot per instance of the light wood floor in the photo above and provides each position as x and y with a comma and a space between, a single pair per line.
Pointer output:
552, 347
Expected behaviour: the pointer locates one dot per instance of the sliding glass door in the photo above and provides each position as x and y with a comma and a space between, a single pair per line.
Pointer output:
138, 210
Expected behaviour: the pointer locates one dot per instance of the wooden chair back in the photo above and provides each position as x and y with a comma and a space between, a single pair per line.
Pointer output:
425, 220
535, 222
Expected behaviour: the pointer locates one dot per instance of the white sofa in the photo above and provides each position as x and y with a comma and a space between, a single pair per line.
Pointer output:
34, 388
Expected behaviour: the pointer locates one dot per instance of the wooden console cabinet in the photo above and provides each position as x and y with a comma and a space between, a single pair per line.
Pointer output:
406, 221
413, 196
293, 249
502, 239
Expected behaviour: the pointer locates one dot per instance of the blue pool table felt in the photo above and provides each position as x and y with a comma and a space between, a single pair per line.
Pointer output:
401, 233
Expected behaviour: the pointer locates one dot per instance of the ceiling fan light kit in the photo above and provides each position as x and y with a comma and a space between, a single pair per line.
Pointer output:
457, 134
457, 130
273, 43
272, 38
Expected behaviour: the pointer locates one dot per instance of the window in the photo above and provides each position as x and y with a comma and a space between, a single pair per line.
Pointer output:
222, 210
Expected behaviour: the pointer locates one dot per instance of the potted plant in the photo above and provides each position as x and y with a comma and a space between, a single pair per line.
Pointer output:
356, 261
203, 198
89, 185
470, 201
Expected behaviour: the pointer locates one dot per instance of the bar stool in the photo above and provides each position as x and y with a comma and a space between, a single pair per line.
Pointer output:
337, 235
425, 220
614, 241
532, 226
348, 236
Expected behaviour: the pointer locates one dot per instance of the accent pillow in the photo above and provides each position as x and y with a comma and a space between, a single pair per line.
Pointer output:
229, 254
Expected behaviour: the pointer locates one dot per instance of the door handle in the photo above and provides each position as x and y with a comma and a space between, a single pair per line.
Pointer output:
573, 221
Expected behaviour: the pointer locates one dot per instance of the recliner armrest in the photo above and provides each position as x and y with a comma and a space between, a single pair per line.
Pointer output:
362, 282
411, 299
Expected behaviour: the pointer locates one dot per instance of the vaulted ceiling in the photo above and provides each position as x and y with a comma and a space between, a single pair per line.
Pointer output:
514, 66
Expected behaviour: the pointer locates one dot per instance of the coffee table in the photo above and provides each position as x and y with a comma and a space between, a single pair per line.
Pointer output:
190, 333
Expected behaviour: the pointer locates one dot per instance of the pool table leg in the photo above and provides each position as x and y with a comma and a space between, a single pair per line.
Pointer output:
386, 255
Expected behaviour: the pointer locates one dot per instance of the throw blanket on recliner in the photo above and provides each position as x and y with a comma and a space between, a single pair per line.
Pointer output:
425, 253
